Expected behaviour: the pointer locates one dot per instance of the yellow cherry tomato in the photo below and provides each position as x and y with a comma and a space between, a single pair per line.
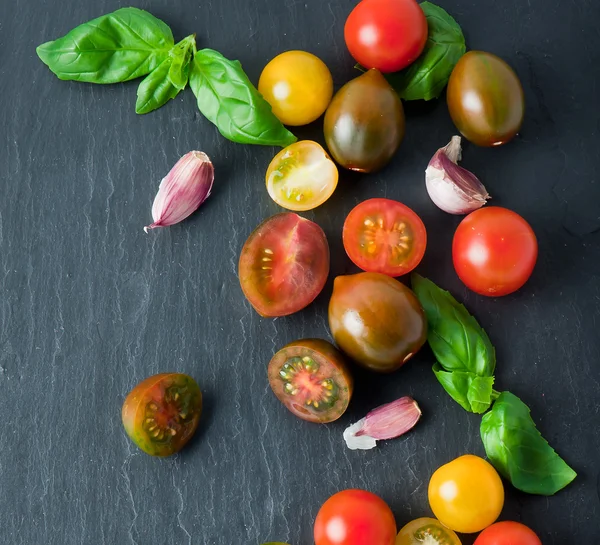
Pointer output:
298, 86
426, 531
301, 176
466, 494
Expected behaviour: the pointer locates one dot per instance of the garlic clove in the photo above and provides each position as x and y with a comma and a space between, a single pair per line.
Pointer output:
182, 190
452, 188
386, 422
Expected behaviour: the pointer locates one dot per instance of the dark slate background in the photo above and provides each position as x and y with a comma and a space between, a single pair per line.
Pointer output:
90, 305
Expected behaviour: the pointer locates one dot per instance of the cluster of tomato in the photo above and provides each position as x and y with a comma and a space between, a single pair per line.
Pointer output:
374, 319
284, 264
466, 496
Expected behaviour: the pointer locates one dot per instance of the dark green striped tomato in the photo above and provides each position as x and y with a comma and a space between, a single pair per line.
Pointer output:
161, 413
485, 99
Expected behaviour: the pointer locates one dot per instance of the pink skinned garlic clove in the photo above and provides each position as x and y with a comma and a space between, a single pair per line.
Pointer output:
182, 190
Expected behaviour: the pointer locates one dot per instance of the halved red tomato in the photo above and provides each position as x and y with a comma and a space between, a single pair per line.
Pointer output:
284, 265
311, 378
384, 236
161, 413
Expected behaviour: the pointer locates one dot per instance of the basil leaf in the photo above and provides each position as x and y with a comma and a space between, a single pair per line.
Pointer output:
429, 74
457, 340
120, 46
228, 99
156, 89
519, 452
182, 56
471, 392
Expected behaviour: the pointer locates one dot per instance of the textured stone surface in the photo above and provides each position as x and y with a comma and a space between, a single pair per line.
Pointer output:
90, 305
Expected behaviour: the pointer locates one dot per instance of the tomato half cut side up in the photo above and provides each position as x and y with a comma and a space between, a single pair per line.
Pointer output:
284, 265
161, 414
384, 236
311, 378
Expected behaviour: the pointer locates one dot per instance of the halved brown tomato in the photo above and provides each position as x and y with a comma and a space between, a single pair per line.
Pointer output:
311, 378
161, 413
284, 265
384, 236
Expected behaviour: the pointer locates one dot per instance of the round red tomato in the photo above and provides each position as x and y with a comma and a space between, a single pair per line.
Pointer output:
386, 34
355, 517
384, 236
284, 264
494, 251
508, 533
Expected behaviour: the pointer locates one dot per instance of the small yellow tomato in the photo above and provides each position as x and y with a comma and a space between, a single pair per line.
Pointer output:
301, 176
298, 86
466, 494
426, 531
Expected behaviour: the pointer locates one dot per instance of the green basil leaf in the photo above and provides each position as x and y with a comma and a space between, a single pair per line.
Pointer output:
457, 340
181, 56
228, 99
120, 46
426, 78
519, 452
471, 392
156, 89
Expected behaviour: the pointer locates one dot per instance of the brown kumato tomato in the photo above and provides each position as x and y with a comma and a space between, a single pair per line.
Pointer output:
364, 124
161, 413
311, 378
485, 99
284, 264
376, 320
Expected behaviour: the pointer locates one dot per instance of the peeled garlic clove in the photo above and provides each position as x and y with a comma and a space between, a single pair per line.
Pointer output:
386, 422
452, 188
183, 190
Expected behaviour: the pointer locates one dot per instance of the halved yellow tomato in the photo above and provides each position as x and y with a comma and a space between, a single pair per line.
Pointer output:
426, 531
301, 176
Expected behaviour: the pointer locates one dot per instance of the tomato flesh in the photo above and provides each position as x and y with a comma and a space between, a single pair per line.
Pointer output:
494, 251
298, 86
508, 533
284, 265
311, 378
355, 517
161, 413
426, 531
466, 495
386, 34
301, 176
384, 236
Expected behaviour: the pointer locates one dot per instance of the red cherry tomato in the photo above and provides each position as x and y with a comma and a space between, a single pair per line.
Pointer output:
355, 517
386, 34
384, 236
494, 251
508, 533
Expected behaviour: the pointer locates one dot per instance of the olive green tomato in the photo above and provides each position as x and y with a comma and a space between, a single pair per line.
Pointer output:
161, 414
485, 99
311, 378
364, 124
376, 320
